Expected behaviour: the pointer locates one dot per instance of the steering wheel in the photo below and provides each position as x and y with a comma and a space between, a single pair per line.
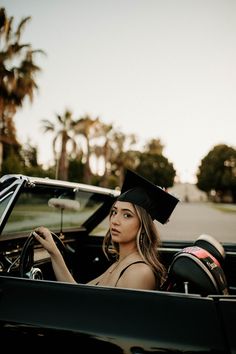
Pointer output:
26, 260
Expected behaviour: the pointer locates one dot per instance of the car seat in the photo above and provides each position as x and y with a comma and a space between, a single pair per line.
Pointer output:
198, 269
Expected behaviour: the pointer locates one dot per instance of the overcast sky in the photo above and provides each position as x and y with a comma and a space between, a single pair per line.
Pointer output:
157, 68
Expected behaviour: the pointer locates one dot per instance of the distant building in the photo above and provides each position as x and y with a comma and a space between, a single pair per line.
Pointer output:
188, 192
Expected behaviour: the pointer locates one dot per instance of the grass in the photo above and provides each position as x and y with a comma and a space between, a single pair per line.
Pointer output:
228, 208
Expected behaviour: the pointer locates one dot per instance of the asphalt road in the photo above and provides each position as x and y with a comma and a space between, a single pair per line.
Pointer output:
190, 220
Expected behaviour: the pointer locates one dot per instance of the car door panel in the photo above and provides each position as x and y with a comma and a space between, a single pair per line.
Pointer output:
147, 319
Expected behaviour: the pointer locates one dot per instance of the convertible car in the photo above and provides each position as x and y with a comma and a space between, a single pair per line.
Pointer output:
194, 312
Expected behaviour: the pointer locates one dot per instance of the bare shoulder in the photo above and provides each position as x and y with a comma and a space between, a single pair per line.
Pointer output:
142, 267
143, 270
138, 275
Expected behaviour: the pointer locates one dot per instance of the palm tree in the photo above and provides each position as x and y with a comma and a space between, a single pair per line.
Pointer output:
121, 155
89, 128
107, 134
63, 130
17, 76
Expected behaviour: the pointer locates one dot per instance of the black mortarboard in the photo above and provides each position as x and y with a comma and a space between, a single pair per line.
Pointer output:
155, 200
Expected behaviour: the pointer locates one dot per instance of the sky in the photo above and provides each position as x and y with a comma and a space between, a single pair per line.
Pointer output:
159, 69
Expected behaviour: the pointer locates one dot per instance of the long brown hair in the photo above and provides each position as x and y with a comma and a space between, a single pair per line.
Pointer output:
148, 244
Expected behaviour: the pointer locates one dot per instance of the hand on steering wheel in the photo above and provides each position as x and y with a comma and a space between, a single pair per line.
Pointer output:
26, 261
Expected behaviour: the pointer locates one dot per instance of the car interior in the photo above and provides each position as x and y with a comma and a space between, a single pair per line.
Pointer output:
78, 219
194, 269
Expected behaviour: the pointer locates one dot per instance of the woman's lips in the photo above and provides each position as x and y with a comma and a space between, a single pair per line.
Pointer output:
114, 231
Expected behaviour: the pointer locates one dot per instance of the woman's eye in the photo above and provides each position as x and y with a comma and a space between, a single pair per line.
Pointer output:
127, 215
113, 212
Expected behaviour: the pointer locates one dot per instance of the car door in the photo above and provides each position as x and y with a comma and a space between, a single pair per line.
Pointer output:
227, 308
111, 320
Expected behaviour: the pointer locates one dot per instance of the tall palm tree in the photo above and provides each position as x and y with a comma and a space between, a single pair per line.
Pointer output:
101, 151
106, 132
63, 130
17, 76
89, 128
120, 155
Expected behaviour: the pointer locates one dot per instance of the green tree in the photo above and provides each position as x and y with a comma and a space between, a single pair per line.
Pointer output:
76, 170
154, 146
30, 155
103, 151
121, 154
217, 172
13, 163
154, 166
24, 161
17, 77
157, 169
64, 133
89, 129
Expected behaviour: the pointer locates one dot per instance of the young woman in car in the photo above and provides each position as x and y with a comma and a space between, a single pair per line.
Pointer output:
132, 238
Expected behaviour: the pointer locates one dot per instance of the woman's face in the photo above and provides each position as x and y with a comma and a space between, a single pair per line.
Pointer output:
124, 222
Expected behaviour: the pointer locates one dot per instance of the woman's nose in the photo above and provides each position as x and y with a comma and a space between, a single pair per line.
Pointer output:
115, 219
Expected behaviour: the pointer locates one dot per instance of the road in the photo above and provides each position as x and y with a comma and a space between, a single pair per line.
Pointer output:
190, 220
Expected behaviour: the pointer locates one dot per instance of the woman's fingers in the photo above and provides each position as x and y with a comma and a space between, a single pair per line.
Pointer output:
43, 232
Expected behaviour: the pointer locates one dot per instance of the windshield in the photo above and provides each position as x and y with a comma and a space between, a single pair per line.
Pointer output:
54, 208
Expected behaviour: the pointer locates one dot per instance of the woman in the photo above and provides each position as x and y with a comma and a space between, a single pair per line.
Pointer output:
132, 237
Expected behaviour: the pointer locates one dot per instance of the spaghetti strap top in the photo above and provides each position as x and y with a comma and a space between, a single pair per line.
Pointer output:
123, 270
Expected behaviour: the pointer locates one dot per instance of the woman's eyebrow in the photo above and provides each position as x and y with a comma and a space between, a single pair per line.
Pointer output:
126, 209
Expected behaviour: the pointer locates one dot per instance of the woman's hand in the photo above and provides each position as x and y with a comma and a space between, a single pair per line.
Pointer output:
62, 273
44, 236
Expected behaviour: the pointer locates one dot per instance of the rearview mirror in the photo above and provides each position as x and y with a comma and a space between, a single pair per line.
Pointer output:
64, 204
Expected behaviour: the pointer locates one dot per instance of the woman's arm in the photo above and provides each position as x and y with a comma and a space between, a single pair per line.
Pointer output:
62, 273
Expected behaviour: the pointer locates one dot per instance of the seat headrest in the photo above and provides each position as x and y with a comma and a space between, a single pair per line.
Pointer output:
213, 246
200, 270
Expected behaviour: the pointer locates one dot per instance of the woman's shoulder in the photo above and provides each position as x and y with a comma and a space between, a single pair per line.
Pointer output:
142, 267
137, 275
136, 264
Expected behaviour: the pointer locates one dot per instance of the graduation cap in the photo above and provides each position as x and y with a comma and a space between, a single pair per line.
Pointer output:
155, 200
